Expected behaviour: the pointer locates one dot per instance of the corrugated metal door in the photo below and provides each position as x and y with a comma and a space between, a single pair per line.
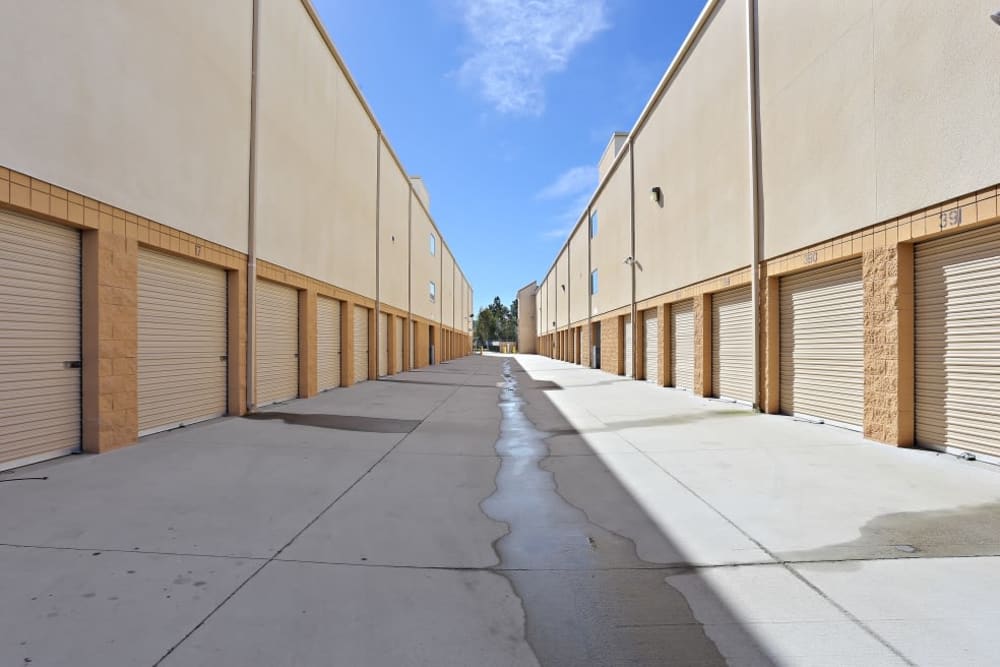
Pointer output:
383, 344
413, 326
682, 345
277, 356
822, 344
39, 340
397, 324
629, 358
651, 343
732, 344
957, 336
182, 342
360, 343
327, 343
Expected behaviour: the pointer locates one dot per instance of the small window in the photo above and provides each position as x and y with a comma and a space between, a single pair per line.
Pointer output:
433, 289
593, 224
433, 245
593, 281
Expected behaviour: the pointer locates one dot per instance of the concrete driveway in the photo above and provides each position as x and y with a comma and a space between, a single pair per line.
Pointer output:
501, 511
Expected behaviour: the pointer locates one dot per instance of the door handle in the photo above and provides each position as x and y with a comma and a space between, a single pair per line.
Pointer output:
72, 364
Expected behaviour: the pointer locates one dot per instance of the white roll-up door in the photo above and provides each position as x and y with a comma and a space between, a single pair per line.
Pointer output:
682, 345
732, 344
822, 344
957, 341
277, 355
397, 324
327, 343
360, 343
651, 343
39, 340
629, 347
182, 342
383, 344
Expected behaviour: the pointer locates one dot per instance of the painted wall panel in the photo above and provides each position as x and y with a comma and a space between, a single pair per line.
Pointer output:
394, 237
613, 242
447, 288
316, 157
424, 267
562, 288
105, 103
694, 148
579, 280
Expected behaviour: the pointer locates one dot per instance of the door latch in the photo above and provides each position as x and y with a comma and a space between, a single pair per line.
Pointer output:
72, 364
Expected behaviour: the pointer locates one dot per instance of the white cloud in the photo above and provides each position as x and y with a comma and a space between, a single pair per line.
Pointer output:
567, 219
518, 43
571, 182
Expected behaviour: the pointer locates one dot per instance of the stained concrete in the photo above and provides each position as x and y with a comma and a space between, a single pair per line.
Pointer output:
501, 511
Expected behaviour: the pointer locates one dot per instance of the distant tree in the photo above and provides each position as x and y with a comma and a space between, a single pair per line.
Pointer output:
496, 322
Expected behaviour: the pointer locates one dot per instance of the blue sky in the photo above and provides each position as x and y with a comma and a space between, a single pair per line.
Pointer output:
504, 107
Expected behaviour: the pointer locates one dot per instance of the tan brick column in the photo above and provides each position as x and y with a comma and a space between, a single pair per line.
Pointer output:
770, 357
888, 281
307, 343
372, 347
346, 344
663, 353
236, 314
391, 335
110, 340
639, 345
406, 343
703, 345
610, 344
585, 345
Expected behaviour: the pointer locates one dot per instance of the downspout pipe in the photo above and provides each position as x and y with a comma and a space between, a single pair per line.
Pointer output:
756, 213
252, 212
631, 215
378, 249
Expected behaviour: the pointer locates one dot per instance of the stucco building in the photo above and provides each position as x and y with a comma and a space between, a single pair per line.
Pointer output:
199, 214
805, 218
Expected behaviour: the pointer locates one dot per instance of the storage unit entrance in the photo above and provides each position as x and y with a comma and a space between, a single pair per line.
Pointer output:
277, 355
732, 344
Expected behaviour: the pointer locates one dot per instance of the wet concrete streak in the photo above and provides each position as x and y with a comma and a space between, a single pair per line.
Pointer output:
340, 422
606, 606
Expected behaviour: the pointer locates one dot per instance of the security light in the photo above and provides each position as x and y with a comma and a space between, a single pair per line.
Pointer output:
656, 195
996, 17
628, 260
563, 287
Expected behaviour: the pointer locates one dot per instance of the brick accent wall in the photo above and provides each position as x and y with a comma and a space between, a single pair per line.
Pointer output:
703, 345
888, 320
611, 361
585, 345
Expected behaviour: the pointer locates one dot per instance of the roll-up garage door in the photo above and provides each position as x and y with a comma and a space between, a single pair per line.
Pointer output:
360, 343
413, 326
327, 343
822, 344
39, 340
182, 341
383, 344
732, 344
629, 369
957, 336
682, 345
651, 343
277, 356
397, 324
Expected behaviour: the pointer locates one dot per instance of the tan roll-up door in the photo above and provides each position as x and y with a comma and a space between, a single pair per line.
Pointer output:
39, 340
182, 342
822, 335
732, 344
383, 344
629, 358
682, 345
277, 355
327, 343
651, 344
360, 343
397, 324
957, 341
413, 326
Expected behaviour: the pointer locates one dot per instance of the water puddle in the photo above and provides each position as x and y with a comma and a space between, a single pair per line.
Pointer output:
587, 597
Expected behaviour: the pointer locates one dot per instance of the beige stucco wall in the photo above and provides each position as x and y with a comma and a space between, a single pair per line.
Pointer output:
562, 288
612, 243
317, 152
553, 301
579, 280
527, 319
394, 238
424, 267
543, 307
448, 288
694, 147
937, 96
98, 97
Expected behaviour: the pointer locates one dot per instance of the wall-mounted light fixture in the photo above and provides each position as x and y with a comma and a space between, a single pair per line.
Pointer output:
563, 287
996, 17
656, 195
628, 260
553, 322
